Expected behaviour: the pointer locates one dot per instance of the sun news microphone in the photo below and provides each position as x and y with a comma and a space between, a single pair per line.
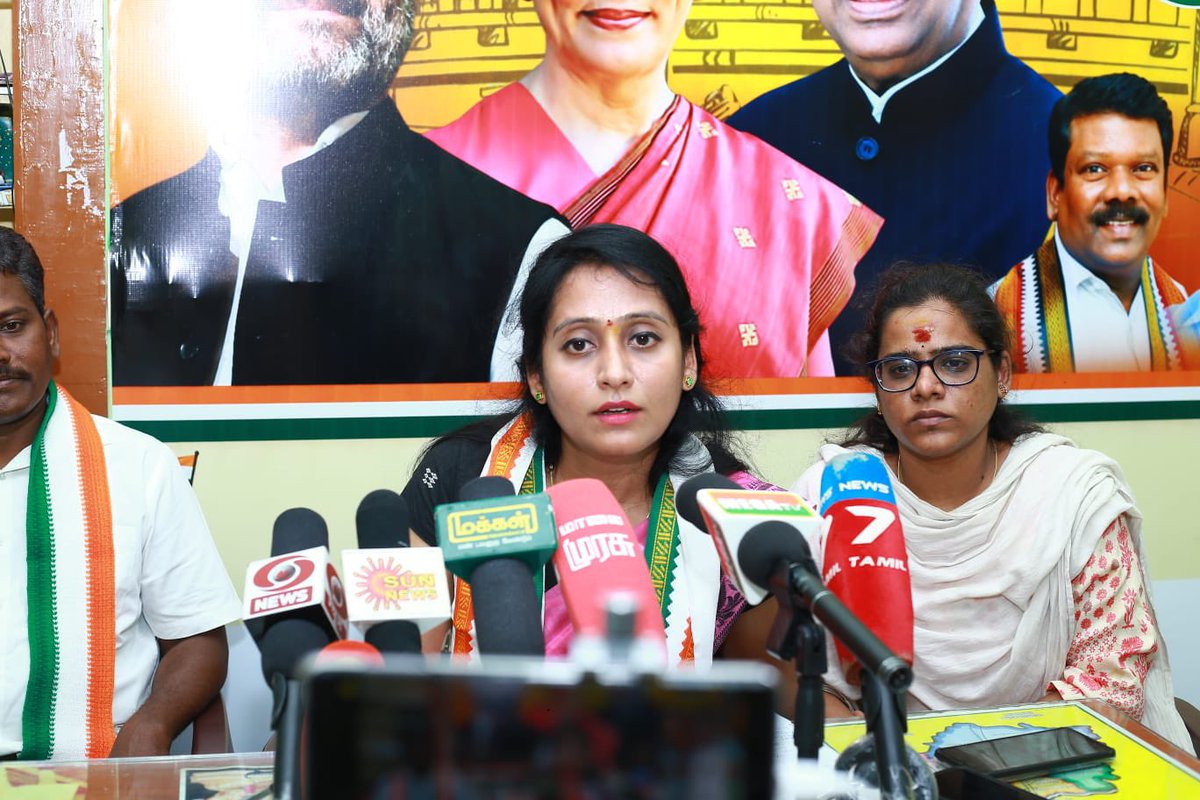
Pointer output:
495, 541
298, 581
866, 562
599, 560
390, 585
284, 645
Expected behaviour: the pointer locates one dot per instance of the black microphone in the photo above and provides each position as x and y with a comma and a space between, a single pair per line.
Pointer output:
297, 581
382, 522
496, 559
773, 554
283, 646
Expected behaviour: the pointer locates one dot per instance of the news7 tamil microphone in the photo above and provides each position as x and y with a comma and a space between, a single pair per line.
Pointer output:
613, 388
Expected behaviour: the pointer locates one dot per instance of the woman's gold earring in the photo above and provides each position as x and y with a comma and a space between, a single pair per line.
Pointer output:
1003, 391
689, 382
878, 411
539, 397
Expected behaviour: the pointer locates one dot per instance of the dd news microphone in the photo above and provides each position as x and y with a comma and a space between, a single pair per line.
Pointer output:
392, 586
495, 541
599, 558
298, 581
284, 645
866, 562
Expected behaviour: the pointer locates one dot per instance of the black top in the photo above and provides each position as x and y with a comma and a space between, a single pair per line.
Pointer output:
437, 479
391, 262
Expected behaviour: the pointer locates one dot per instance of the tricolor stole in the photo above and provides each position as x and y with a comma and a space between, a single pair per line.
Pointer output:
512, 451
71, 589
1032, 298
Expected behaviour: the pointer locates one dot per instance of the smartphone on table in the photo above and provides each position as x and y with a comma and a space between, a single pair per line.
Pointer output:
1028, 755
960, 783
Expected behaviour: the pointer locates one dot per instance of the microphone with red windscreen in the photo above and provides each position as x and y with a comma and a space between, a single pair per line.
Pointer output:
866, 563
600, 563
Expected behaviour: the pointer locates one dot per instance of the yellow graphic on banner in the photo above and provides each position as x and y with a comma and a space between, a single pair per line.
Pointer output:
1138, 770
731, 51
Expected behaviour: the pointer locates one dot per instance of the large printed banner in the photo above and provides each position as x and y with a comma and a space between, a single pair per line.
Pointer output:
322, 211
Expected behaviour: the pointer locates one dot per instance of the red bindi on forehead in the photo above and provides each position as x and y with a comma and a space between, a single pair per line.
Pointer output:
922, 334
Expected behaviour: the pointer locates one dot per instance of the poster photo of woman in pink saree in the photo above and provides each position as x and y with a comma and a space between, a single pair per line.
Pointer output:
767, 245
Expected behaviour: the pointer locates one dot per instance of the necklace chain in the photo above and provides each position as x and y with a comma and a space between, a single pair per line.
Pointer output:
995, 462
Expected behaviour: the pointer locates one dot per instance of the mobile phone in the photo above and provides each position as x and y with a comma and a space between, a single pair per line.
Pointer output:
960, 783
1027, 755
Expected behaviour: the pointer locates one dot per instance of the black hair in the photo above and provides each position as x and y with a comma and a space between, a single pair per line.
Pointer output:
905, 285
644, 261
17, 257
1117, 93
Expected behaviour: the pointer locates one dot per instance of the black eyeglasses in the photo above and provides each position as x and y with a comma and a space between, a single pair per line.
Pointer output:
951, 367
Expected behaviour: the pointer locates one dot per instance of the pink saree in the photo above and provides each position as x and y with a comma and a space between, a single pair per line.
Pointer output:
768, 247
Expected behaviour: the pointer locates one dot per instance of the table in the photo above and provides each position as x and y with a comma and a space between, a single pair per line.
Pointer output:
134, 778
159, 778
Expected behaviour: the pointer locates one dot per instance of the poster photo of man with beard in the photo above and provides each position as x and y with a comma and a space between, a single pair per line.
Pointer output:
318, 240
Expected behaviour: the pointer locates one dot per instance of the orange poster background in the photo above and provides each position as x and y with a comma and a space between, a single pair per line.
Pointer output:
463, 50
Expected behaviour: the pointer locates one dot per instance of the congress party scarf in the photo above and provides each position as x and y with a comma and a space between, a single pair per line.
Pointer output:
1032, 297
684, 566
71, 590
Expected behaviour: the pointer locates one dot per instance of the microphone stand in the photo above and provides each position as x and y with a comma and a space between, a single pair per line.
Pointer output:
887, 722
795, 635
285, 720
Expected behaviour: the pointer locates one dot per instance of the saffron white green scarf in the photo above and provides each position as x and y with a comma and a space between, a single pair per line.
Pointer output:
684, 566
71, 590
1032, 298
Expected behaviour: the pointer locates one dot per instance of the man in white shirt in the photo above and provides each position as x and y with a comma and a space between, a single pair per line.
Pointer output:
113, 596
1091, 299
320, 240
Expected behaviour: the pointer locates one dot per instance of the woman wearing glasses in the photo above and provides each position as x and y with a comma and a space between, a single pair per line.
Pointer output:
1024, 550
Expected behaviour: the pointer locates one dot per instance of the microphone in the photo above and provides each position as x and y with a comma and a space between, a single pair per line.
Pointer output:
283, 645
714, 503
494, 541
298, 581
774, 553
391, 584
759, 536
866, 562
345, 652
599, 562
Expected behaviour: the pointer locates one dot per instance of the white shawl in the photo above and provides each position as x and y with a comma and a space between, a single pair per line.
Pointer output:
991, 580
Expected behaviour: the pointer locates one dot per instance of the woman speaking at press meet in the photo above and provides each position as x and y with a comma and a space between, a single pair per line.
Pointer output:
768, 246
612, 379
1025, 551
